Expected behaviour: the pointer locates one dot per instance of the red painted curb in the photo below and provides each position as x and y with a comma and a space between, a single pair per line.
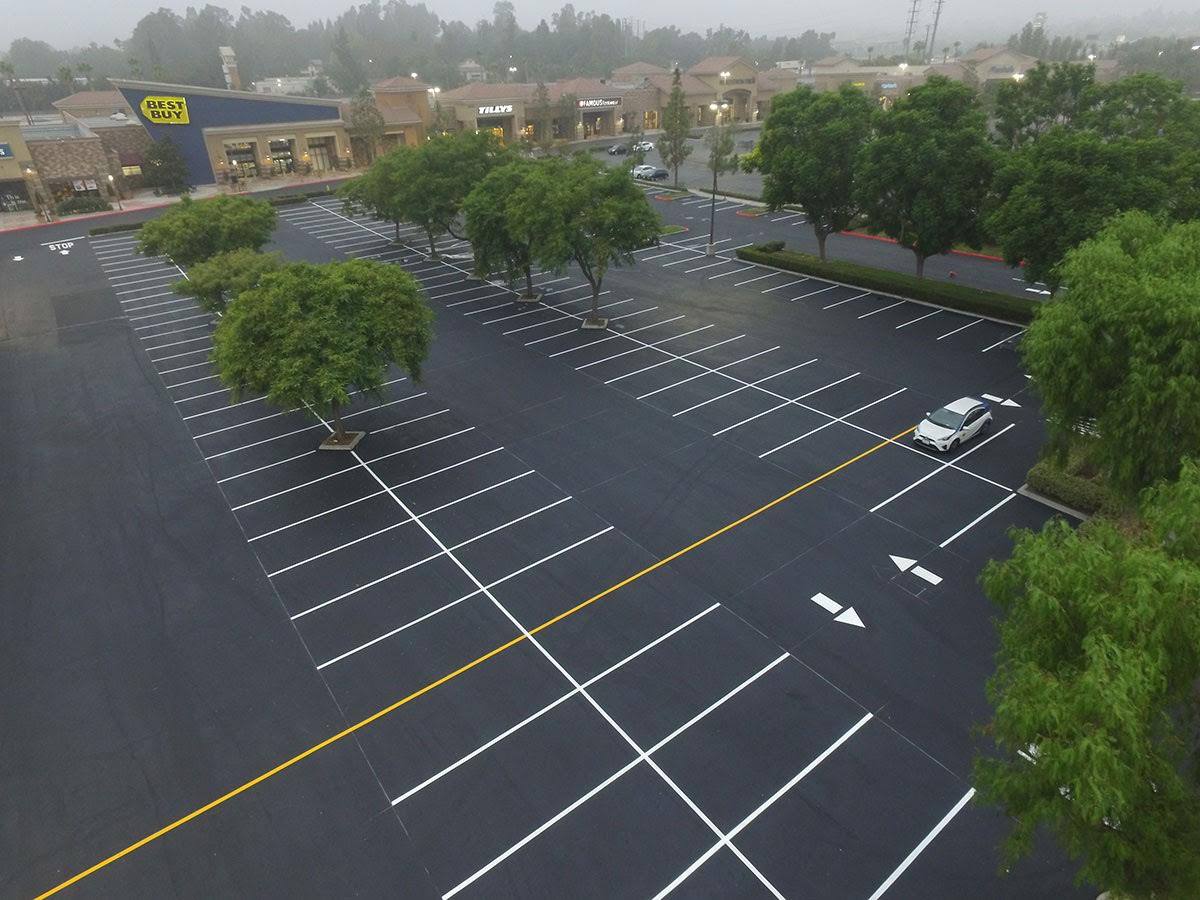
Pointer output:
888, 240
749, 215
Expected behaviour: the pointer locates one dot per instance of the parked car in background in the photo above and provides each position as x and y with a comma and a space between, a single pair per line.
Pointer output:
618, 150
643, 171
659, 175
953, 424
644, 146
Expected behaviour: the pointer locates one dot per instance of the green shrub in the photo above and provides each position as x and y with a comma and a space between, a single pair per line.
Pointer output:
1083, 494
772, 246
953, 296
81, 205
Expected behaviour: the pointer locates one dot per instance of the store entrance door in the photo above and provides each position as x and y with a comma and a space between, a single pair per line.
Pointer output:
242, 158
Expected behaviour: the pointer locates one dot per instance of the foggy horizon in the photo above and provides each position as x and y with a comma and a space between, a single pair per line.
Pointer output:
878, 22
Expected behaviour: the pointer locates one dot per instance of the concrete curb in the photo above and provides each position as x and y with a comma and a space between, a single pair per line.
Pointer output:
1025, 491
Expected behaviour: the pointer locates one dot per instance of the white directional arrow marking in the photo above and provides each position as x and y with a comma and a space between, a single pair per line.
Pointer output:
850, 617
18, 258
922, 572
1010, 402
993, 398
64, 252
831, 605
903, 563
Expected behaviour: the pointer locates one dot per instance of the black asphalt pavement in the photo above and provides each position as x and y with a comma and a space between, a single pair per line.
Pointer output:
782, 710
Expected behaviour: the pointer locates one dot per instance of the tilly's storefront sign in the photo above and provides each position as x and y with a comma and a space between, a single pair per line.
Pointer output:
497, 110
165, 110
597, 102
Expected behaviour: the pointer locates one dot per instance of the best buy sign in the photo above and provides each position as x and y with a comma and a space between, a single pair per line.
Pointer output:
165, 110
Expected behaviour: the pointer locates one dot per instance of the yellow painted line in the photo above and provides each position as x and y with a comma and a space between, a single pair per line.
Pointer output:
167, 829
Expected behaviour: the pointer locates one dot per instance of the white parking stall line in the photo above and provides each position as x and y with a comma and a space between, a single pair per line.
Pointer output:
220, 409
432, 415
739, 247
643, 756
943, 467
702, 374
834, 421
161, 303
668, 253
182, 368
492, 296
813, 293
151, 297
126, 267
192, 381
134, 277
156, 359
1003, 341
925, 842
426, 278
474, 287
883, 309
350, 243
649, 346
763, 807
508, 732
560, 318
395, 525
694, 202
663, 362
917, 319
724, 206
954, 537
507, 304
453, 603
393, 252
277, 437
960, 328
149, 337
708, 266
787, 401
172, 322
741, 388
613, 336
785, 284
174, 275
788, 216
104, 242
443, 551
759, 278
847, 300
222, 390
730, 272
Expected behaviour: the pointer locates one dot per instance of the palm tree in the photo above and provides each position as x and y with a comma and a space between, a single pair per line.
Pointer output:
870, 50
66, 77
85, 71
957, 44
9, 74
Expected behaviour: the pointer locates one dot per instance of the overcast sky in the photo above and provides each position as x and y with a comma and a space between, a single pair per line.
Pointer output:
67, 23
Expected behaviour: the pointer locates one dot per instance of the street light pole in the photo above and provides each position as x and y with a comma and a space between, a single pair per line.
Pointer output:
718, 109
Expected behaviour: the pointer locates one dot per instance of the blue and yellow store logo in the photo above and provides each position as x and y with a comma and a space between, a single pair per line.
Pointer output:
165, 110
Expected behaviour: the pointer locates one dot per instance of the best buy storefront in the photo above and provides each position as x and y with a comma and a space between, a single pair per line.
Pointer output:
228, 136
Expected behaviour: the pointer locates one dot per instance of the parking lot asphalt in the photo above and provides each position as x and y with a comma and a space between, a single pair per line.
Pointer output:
617, 663
745, 222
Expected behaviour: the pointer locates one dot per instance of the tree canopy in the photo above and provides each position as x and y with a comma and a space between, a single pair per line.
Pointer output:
196, 230
807, 155
1094, 697
163, 167
924, 176
1118, 352
309, 334
217, 281
673, 145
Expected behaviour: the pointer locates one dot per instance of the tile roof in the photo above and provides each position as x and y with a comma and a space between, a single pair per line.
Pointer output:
400, 83
640, 68
91, 98
690, 84
482, 90
714, 64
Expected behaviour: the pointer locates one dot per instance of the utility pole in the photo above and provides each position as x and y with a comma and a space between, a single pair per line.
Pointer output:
937, 15
914, 13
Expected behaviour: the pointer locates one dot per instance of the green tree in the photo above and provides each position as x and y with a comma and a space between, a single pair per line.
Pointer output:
1094, 697
721, 158
600, 217
1047, 96
217, 281
1141, 106
1119, 351
382, 189
194, 231
1059, 191
163, 167
310, 334
923, 178
345, 67
673, 144
85, 72
365, 125
509, 216
807, 151
66, 77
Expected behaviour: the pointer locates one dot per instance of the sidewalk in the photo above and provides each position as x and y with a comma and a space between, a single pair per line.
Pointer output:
145, 199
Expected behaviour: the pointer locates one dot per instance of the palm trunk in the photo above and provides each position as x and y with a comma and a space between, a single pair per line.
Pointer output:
335, 413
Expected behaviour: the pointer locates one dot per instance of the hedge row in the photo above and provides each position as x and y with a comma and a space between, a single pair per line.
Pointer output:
1078, 493
953, 296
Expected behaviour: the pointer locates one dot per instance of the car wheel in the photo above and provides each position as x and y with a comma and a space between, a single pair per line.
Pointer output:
987, 423
953, 446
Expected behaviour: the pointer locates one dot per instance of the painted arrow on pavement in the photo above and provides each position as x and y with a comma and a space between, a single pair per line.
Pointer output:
847, 616
904, 564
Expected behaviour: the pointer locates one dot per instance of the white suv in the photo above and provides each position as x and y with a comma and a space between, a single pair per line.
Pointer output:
953, 424
643, 171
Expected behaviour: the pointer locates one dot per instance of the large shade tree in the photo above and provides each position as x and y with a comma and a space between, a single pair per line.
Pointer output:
309, 335
217, 281
1117, 354
807, 153
196, 230
1095, 701
923, 178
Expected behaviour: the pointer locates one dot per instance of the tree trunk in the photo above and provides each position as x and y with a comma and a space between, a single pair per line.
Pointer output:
397, 224
529, 281
676, 167
595, 300
335, 413
432, 244
920, 263
822, 234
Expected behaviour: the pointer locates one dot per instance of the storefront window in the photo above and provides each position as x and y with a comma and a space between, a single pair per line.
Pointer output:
650, 118
131, 171
282, 161
242, 158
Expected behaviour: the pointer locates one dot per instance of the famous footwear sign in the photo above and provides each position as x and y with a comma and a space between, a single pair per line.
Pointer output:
165, 110
598, 102
501, 109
